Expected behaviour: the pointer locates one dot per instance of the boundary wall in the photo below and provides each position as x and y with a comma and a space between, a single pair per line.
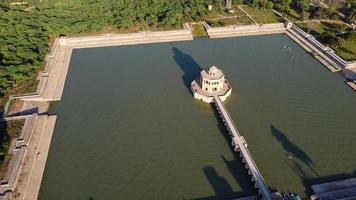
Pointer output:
245, 30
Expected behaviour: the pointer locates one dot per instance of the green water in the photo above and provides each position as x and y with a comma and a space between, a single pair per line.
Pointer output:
128, 127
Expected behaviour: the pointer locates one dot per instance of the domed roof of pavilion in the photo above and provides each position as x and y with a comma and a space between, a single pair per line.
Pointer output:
212, 73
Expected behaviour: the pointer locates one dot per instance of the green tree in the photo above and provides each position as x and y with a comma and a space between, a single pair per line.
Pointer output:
329, 37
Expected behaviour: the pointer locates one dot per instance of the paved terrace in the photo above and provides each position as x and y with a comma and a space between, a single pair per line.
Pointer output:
244, 30
241, 146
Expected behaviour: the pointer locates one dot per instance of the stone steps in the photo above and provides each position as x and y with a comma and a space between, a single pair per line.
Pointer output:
236, 33
317, 53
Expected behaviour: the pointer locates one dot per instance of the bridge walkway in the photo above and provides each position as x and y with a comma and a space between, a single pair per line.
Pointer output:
239, 144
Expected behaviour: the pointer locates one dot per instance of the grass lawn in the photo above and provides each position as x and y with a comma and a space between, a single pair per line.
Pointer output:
314, 28
218, 12
220, 17
347, 50
242, 20
317, 28
27, 86
263, 16
198, 30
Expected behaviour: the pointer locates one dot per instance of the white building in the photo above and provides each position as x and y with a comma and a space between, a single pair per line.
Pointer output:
212, 82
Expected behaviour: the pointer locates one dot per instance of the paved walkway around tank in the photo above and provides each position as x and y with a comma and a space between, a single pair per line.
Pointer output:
30, 177
31, 165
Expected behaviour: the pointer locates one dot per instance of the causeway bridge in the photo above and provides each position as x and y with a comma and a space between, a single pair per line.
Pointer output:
240, 146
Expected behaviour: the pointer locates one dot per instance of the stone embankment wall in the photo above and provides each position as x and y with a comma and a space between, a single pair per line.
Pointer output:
245, 30
324, 54
24, 174
327, 53
126, 39
313, 48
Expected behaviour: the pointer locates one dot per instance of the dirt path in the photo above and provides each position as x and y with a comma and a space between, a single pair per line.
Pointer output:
247, 15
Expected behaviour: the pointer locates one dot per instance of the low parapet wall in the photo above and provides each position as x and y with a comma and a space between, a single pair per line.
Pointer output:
131, 38
245, 30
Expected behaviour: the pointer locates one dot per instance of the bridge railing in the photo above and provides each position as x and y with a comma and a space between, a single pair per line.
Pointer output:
238, 133
249, 160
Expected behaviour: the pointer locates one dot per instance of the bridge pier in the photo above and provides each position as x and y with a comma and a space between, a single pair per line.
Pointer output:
229, 132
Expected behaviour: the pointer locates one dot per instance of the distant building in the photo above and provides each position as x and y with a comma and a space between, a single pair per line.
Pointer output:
210, 7
17, 3
337, 190
212, 82
228, 4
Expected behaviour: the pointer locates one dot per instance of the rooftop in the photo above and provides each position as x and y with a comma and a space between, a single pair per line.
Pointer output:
212, 73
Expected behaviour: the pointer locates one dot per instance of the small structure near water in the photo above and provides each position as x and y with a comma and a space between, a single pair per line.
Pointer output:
344, 189
212, 83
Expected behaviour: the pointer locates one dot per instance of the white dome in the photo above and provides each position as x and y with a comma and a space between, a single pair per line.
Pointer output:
215, 72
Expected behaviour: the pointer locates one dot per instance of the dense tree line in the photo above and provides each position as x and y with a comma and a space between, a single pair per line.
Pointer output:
24, 30
350, 9
24, 34
330, 38
157, 13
